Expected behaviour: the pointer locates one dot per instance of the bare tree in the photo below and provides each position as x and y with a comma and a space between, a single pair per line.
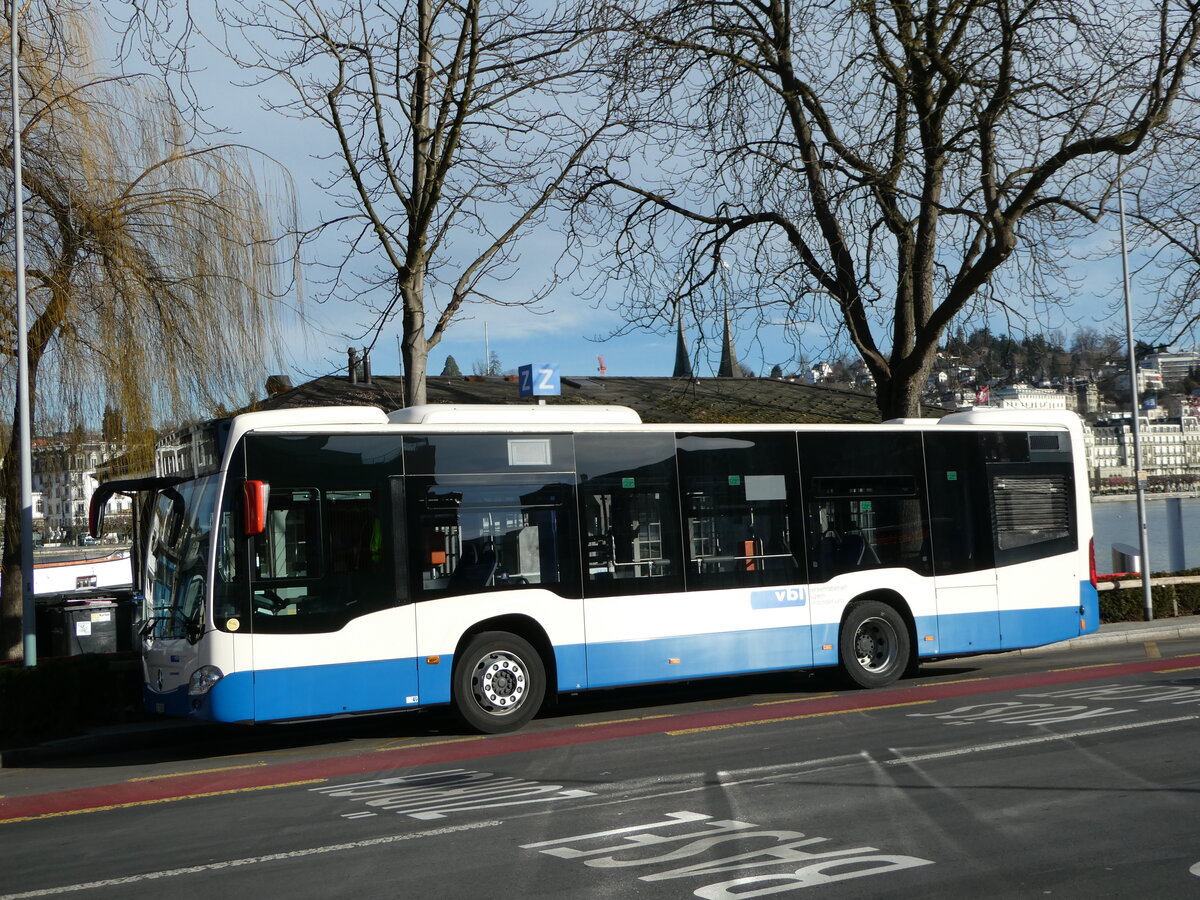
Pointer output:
152, 279
452, 125
1162, 203
899, 164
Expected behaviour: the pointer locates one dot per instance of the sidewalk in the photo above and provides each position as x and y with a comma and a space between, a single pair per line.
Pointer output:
160, 732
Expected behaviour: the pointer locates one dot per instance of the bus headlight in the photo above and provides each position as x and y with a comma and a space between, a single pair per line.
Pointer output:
202, 680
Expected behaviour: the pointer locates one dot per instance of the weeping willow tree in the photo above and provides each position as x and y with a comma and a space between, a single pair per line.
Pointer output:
153, 283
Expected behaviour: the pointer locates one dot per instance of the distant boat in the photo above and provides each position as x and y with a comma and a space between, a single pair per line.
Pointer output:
80, 574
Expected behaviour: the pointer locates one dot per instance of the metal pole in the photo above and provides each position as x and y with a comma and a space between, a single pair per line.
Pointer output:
1139, 475
28, 622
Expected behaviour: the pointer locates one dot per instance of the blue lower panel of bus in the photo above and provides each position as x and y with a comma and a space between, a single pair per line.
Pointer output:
230, 700
698, 656
334, 689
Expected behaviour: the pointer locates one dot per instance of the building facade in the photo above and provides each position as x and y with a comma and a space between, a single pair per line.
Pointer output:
64, 479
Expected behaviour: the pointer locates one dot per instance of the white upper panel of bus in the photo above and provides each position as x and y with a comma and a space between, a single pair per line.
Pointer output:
507, 414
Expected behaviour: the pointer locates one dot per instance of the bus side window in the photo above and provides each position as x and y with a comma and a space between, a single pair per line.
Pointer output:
629, 513
737, 492
491, 532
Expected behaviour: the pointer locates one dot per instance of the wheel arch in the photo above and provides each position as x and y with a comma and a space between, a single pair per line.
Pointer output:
523, 627
897, 602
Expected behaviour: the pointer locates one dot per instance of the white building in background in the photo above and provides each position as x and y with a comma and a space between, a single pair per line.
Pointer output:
64, 479
1170, 449
1148, 380
1174, 367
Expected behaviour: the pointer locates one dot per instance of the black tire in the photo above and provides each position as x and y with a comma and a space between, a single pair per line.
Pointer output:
873, 646
499, 682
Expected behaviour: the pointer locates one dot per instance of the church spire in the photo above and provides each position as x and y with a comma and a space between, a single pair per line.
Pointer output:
683, 362
729, 364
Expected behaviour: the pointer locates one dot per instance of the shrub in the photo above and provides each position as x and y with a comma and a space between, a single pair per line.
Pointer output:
58, 696
1167, 600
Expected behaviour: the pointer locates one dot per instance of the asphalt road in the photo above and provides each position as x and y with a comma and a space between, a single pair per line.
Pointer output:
1068, 773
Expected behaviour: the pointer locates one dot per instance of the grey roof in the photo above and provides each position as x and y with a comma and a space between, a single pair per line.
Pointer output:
763, 400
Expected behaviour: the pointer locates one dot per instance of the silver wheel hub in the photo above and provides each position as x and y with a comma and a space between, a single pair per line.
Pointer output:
500, 682
875, 645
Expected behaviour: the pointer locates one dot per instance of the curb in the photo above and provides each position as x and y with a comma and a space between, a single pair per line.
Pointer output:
1127, 633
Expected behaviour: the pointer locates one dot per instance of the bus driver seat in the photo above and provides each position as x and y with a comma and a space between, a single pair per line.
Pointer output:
474, 570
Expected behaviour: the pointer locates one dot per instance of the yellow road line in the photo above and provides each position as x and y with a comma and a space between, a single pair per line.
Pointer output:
134, 803
836, 712
197, 772
1152, 650
1180, 669
1078, 668
388, 745
797, 699
944, 683
622, 721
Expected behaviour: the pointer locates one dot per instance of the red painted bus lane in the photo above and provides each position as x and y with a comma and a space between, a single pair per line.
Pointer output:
253, 778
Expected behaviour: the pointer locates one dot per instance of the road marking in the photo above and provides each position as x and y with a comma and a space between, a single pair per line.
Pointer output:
1024, 742
198, 772
246, 861
1152, 650
835, 712
435, 795
156, 800
1180, 669
1081, 668
930, 684
461, 740
798, 699
622, 721
1195, 870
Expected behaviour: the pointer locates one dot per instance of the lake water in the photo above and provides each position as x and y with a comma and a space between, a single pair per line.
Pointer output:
1115, 522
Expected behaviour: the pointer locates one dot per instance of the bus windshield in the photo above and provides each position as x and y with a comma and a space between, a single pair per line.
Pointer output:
177, 559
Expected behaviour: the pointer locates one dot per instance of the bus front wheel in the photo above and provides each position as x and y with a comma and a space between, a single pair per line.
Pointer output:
499, 682
873, 647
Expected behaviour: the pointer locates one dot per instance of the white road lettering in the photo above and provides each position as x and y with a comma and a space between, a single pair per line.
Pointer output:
1128, 693
435, 795
802, 867
1017, 713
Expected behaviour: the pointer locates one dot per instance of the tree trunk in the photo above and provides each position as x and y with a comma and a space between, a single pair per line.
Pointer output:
899, 397
414, 347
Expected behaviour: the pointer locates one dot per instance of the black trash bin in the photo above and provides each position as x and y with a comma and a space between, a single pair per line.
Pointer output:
83, 626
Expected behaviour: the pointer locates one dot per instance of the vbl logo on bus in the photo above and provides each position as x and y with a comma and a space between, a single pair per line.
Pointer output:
790, 596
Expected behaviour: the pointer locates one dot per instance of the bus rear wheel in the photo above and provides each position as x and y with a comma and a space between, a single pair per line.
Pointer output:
873, 646
499, 682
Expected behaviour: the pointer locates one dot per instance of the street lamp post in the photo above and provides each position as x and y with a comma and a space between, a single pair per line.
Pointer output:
27, 609
1139, 475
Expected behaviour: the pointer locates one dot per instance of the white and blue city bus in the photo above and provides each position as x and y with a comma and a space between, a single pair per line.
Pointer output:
319, 562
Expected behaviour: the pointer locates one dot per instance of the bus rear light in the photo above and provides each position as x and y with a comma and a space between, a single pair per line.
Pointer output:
254, 504
1092, 561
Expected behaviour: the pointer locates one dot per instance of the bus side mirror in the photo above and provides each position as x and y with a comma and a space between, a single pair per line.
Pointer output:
254, 506
96, 514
